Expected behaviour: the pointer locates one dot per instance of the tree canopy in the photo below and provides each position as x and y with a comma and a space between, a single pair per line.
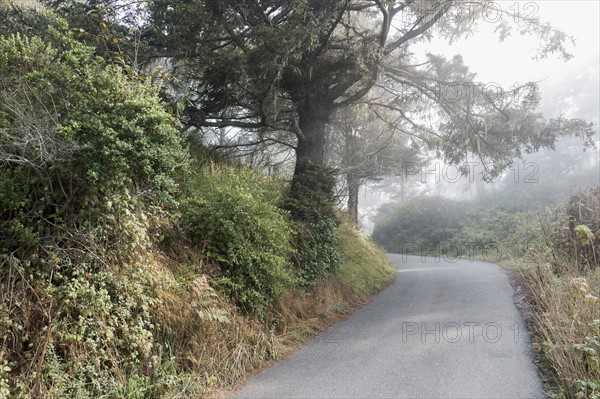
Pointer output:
280, 70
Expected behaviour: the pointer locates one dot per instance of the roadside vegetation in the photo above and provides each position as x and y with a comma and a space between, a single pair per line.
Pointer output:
132, 267
564, 277
487, 228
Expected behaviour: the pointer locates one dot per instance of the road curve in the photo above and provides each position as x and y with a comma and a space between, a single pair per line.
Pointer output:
444, 329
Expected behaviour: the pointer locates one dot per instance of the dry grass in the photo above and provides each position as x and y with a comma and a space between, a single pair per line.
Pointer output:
218, 346
209, 339
567, 323
199, 343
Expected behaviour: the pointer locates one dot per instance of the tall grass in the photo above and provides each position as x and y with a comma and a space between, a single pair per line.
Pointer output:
567, 321
565, 282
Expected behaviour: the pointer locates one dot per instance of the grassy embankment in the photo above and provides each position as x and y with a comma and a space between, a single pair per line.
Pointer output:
126, 269
197, 339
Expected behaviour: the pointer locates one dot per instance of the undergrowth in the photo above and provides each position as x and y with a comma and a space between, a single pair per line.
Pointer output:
234, 218
565, 281
126, 271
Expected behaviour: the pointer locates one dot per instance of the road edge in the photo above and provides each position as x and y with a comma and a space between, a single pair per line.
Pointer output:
522, 299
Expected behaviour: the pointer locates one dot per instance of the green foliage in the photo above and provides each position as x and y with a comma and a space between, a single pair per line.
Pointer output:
445, 227
311, 194
316, 249
588, 353
421, 224
25, 21
310, 203
577, 234
80, 303
75, 131
87, 163
364, 266
233, 214
496, 233
588, 389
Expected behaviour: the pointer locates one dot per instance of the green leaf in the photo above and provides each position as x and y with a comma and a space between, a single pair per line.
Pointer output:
180, 105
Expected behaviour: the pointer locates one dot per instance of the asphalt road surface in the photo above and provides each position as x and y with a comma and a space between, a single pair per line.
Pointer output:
442, 330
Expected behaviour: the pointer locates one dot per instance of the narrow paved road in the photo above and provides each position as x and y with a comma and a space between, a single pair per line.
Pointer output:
442, 330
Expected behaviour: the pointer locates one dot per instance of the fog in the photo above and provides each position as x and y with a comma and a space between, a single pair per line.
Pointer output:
570, 88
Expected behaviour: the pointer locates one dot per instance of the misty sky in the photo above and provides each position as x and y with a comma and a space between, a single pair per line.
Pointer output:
511, 61
571, 88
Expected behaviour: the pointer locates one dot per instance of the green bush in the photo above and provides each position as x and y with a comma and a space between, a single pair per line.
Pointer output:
24, 20
74, 132
316, 249
87, 162
421, 224
232, 213
310, 203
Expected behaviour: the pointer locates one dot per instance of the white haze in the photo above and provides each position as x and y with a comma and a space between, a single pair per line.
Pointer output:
570, 88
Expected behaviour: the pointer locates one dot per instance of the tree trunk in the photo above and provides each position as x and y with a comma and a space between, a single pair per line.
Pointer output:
353, 182
312, 119
310, 200
313, 183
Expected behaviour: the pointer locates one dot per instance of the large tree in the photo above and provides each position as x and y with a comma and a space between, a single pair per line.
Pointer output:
281, 69
277, 66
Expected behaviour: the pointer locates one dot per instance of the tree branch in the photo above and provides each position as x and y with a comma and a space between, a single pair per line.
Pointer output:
416, 32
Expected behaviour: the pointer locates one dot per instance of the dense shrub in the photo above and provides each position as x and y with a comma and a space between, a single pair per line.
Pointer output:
310, 203
74, 132
316, 249
24, 20
87, 160
577, 233
423, 223
233, 215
